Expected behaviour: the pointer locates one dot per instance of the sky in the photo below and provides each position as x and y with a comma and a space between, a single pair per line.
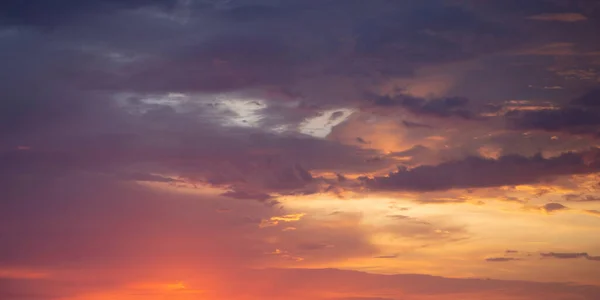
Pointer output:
299, 150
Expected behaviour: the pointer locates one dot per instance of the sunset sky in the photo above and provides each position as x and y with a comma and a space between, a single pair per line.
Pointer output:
300, 150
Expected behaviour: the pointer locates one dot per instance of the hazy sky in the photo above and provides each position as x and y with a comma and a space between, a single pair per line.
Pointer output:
299, 150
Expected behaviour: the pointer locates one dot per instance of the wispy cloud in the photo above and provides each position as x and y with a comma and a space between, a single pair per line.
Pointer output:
559, 17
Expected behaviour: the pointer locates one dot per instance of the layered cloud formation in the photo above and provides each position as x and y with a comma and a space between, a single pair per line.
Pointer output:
299, 149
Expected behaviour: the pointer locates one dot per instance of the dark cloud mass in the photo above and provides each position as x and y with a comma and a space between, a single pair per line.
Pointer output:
438, 107
69, 80
590, 99
580, 116
474, 172
569, 119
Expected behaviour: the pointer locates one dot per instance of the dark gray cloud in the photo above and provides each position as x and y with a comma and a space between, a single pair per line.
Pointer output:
60, 97
437, 107
410, 33
238, 55
574, 120
580, 116
474, 172
251, 163
590, 99
514, 6
222, 63
59, 86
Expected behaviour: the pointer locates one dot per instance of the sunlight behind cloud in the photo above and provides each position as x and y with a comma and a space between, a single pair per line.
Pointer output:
244, 112
322, 125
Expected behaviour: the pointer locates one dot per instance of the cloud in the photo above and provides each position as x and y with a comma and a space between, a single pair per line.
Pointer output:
553, 207
313, 246
111, 111
424, 200
592, 212
500, 259
408, 218
230, 59
432, 232
570, 256
564, 255
415, 125
247, 195
580, 116
148, 178
251, 166
476, 172
400, 217
571, 119
361, 140
15, 12
286, 255
235, 62
581, 198
129, 77
128, 225
589, 99
559, 17
437, 107
274, 221
554, 255
512, 199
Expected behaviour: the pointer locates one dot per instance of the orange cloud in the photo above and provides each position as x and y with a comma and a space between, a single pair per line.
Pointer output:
274, 221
